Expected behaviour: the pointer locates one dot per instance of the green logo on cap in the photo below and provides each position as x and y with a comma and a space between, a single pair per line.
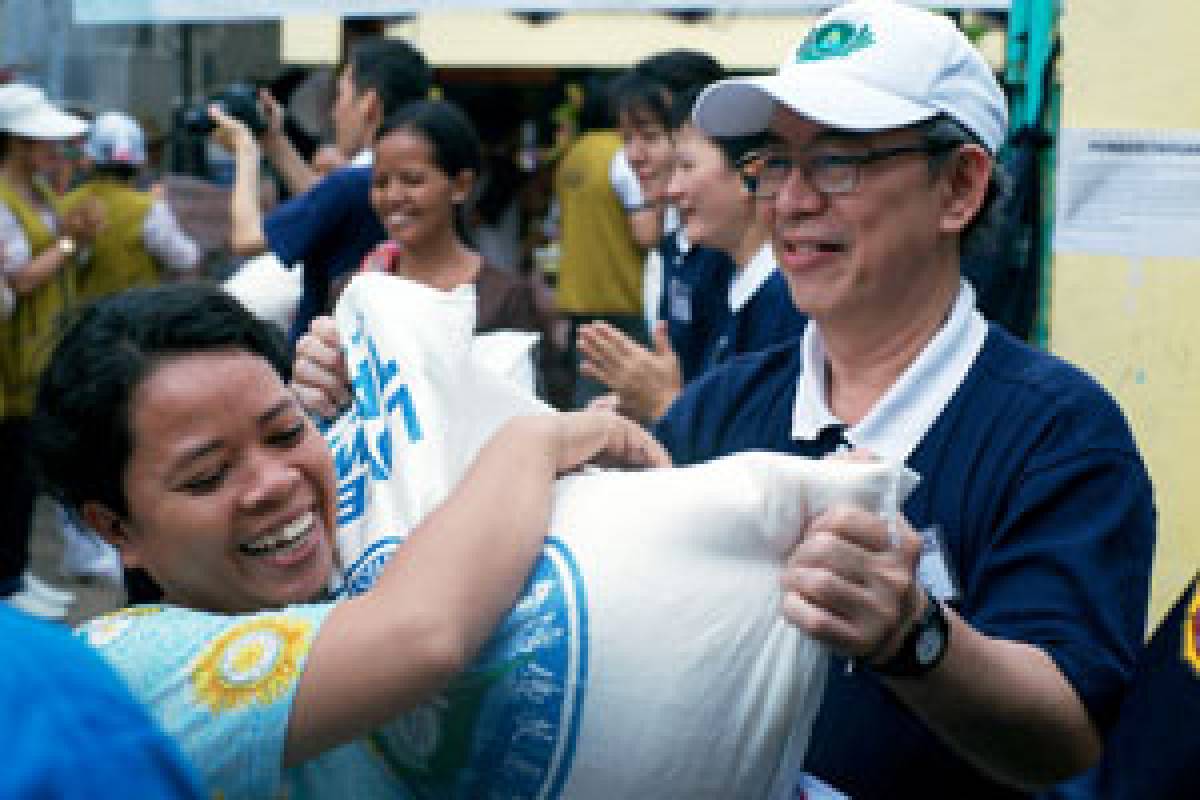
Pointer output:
834, 40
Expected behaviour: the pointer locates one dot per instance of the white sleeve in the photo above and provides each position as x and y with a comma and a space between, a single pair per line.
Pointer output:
625, 182
7, 299
14, 246
166, 241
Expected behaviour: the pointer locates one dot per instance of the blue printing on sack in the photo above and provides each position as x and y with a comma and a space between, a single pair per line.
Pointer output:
362, 574
507, 727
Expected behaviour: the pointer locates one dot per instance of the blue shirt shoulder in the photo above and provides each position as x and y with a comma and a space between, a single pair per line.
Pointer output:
743, 404
81, 733
330, 229
1149, 752
768, 318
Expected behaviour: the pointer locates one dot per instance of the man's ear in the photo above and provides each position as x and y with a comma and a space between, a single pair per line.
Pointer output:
374, 110
966, 180
461, 186
112, 529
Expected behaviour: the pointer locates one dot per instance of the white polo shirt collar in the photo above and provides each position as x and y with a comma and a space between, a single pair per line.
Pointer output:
894, 427
748, 280
682, 243
364, 158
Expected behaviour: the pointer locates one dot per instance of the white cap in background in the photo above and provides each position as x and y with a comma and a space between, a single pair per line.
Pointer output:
116, 139
25, 112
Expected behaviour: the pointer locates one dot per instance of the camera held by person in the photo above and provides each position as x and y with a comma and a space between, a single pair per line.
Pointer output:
239, 100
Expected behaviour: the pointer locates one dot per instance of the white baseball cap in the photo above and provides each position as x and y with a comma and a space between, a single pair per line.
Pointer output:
116, 139
25, 112
870, 65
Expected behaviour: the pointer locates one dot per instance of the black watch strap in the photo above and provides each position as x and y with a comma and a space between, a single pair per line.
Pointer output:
923, 647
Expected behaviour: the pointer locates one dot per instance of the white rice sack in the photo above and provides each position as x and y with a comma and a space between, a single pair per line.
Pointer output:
267, 288
509, 354
647, 656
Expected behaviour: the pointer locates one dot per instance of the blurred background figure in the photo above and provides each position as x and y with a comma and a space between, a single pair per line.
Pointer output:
141, 240
642, 98
600, 262
725, 297
39, 242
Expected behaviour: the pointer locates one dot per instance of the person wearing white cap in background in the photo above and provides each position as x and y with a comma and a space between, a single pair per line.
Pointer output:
986, 656
141, 240
38, 242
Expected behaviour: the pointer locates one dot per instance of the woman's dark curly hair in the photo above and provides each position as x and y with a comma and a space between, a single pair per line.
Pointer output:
81, 438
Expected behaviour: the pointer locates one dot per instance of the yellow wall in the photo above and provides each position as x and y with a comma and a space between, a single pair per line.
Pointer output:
743, 40
1135, 323
481, 38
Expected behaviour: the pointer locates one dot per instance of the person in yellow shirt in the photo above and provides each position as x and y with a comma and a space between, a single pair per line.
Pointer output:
141, 238
140, 242
38, 243
600, 263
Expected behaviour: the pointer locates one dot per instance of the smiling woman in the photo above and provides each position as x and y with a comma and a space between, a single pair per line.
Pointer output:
234, 455
164, 418
740, 300
427, 159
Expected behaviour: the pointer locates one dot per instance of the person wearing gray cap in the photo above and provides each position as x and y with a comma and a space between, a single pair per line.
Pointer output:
37, 265
986, 655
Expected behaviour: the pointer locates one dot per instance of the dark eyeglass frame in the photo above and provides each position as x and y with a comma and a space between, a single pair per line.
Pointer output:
752, 165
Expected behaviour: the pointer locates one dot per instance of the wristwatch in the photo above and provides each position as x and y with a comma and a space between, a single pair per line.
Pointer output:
923, 647
65, 245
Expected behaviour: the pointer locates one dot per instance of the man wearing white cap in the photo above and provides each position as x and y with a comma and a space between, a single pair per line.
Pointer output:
985, 656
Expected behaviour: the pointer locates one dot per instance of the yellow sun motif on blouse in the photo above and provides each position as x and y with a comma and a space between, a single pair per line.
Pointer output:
255, 661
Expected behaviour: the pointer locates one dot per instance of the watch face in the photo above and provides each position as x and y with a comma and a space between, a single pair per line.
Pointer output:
929, 645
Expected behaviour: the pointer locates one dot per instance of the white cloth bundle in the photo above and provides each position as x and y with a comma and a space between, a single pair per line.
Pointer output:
647, 657
267, 288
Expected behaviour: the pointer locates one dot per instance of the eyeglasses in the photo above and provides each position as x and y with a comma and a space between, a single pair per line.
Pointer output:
765, 171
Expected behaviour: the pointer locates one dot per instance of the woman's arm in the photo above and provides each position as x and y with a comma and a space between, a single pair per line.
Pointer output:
80, 226
448, 585
38, 270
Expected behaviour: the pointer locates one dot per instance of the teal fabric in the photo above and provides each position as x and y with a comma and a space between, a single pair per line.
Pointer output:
223, 686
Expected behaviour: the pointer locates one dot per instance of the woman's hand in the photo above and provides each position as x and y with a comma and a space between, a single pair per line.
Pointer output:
320, 379
646, 381
603, 438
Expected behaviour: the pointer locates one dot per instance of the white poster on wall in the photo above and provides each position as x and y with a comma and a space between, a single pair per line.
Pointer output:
141, 11
1128, 192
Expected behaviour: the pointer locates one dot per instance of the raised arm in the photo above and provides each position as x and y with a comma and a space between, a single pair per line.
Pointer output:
297, 175
246, 237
